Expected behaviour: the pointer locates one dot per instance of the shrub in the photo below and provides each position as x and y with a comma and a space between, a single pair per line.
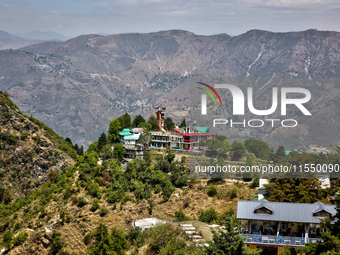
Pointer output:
233, 193
255, 183
157, 189
7, 239
20, 239
81, 201
24, 135
180, 216
136, 237
95, 205
212, 191
103, 211
160, 235
143, 192
208, 216
17, 226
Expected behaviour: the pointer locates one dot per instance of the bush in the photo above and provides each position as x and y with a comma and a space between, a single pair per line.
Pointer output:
81, 201
212, 191
95, 205
180, 216
103, 211
233, 193
20, 239
255, 183
136, 237
208, 216
160, 235
7, 239
24, 135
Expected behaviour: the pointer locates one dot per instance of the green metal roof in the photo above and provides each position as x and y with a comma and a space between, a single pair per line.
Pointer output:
202, 129
126, 131
130, 138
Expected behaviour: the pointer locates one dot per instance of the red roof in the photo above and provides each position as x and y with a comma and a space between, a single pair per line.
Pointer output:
193, 134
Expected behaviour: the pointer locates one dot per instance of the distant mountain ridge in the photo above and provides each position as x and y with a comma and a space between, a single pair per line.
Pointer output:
47, 35
78, 86
16, 41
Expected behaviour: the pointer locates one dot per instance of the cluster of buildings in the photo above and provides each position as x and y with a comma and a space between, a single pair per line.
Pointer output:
186, 138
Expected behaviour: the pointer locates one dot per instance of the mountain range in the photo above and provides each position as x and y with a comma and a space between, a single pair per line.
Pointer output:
16, 41
77, 87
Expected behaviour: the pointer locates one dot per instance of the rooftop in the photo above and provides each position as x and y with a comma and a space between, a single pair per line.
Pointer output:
264, 210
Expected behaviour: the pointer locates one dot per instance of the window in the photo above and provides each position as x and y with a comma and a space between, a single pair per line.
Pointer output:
263, 210
322, 213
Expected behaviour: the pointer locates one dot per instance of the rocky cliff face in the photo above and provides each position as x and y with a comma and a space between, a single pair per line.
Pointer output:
78, 86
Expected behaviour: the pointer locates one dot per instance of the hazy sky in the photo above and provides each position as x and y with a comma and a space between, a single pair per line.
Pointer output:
75, 17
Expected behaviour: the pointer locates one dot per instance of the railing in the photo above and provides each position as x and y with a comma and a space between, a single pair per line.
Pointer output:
278, 240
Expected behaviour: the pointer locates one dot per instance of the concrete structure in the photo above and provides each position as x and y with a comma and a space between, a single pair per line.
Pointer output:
129, 139
147, 223
261, 188
192, 136
278, 224
160, 111
163, 139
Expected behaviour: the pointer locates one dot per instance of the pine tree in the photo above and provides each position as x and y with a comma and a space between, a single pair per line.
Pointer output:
102, 141
69, 141
137, 120
153, 121
279, 154
81, 151
169, 124
125, 120
229, 241
183, 124
114, 129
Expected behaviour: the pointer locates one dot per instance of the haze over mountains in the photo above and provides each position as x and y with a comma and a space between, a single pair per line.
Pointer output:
15, 41
78, 86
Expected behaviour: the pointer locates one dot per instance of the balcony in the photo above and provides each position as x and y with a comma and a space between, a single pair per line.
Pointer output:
277, 240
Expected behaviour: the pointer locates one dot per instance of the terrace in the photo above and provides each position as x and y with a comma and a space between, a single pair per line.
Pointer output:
278, 224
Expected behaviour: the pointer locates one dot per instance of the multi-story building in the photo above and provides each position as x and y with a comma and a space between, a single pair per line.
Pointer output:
164, 139
192, 136
129, 139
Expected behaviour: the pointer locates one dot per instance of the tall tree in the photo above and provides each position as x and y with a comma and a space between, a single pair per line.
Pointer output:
145, 138
102, 141
69, 141
238, 149
125, 120
119, 151
183, 124
169, 124
114, 129
137, 120
259, 148
229, 241
280, 154
153, 121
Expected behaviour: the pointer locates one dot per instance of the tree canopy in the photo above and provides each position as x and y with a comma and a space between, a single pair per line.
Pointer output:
137, 120
297, 190
169, 124
153, 121
125, 120
114, 129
